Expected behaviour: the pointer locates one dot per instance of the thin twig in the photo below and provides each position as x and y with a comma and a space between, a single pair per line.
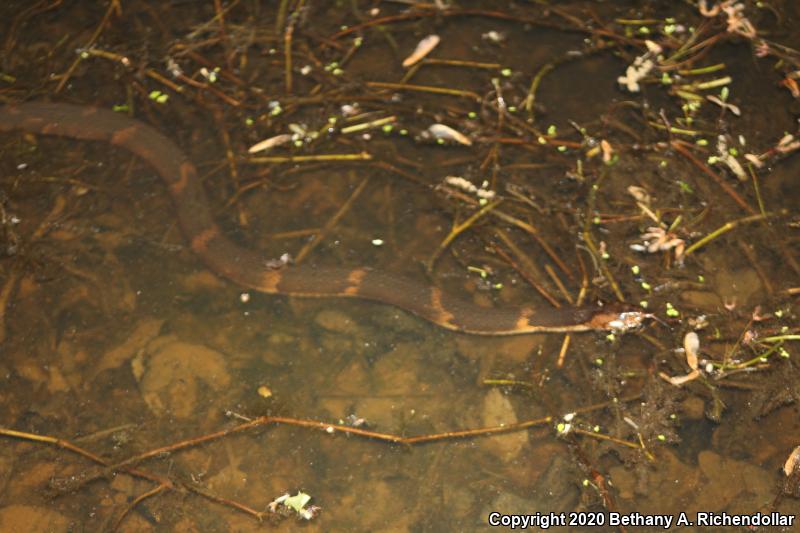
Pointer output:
313, 243
588, 240
424, 89
725, 228
457, 230
526, 268
362, 156
682, 147
113, 6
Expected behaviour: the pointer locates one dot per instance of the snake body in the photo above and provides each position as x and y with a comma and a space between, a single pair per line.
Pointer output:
253, 270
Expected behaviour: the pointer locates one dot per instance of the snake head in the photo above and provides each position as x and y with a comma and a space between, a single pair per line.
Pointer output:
619, 318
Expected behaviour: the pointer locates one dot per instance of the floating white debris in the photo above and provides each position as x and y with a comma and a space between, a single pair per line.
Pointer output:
653, 47
424, 48
493, 36
640, 68
635, 73
466, 185
724, 105
793, 462
299, 130
754, 159
272, 142
440, 131
657, 239
282, 261
691, 345
608, 151
680, 380
640, 194
724, 156
736, 21
787, 144
348, 110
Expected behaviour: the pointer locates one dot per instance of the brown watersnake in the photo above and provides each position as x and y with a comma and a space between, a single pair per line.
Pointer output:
253, 270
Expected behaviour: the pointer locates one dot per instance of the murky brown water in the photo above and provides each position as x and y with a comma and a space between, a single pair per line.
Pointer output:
118, 340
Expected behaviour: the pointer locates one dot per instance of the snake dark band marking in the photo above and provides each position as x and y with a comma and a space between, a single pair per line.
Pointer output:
251, 269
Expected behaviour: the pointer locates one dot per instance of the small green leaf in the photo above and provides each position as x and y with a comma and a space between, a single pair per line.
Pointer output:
297, 502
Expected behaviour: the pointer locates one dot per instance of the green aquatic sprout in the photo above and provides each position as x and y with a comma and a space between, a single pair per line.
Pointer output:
158, 97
